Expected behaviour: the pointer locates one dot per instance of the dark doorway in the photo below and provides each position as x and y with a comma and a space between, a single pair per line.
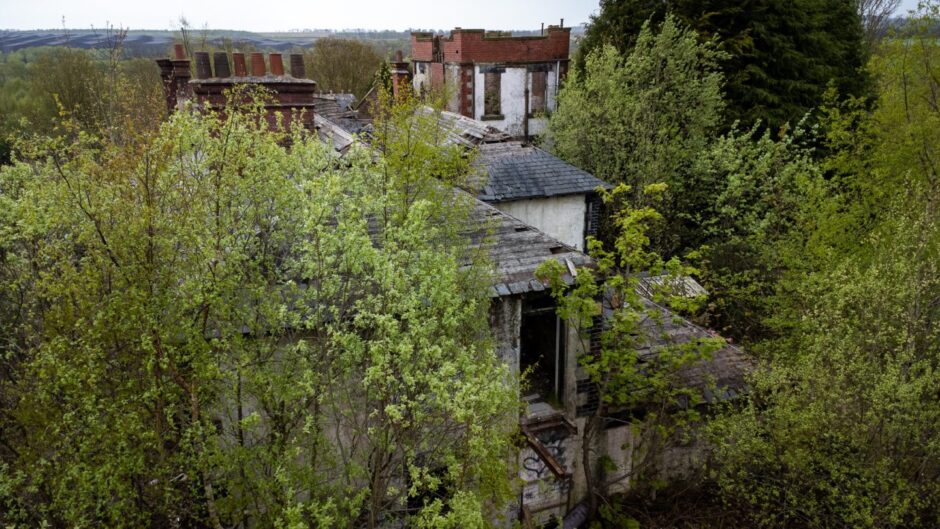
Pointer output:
542, 350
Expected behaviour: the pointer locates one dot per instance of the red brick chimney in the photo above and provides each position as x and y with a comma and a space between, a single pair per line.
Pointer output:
401, 74
292, 94
277, 64
175, 74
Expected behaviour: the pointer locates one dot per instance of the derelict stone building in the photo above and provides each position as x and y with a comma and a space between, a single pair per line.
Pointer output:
531, 207
509, 82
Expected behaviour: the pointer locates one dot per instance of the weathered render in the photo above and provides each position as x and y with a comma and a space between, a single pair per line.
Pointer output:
543, 190
510, 82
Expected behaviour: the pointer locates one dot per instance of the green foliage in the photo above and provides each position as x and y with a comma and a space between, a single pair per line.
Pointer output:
645, 119
767, 195
842, 430
96, 89
625, 378
217, 329
343, 65
781, 55
841, 427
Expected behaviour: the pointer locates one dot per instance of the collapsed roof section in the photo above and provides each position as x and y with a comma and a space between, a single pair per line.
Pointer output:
517, 249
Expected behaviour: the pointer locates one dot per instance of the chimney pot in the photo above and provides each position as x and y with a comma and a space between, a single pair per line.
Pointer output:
297, 68
277, 64
203, 66
221, 64
399, 57
180, 51
257, 65
240, 69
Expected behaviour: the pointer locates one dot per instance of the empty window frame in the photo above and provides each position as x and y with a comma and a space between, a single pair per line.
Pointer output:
537, 99
491, 93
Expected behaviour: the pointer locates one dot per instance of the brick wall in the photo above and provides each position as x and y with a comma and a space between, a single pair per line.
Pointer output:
421, 47
437, 75
466, 90
473, 45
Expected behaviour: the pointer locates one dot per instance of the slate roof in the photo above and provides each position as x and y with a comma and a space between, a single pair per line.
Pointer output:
332, 106
685, 286
468, 132
517, 249
339, 109
331, 133
725, 371
515, 171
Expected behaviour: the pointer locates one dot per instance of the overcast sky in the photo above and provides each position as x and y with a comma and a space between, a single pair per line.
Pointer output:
282, 15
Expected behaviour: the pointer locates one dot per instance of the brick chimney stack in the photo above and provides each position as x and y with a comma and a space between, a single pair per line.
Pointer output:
277, 64
401, 74
175, 74
292, 95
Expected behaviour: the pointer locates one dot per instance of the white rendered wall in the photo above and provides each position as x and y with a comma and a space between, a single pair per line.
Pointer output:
512, 99
421, 81
559, 217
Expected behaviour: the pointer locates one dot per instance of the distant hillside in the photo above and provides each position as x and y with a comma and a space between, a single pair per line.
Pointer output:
153, 43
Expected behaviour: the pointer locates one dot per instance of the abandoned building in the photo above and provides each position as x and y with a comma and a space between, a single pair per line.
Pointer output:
509, 82
535, 206
542, 190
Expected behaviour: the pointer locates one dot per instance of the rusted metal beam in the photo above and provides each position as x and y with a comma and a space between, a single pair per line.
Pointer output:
546, 456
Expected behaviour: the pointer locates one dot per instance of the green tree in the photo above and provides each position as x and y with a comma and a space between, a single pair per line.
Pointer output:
840, 429
222, 329
636, 365
343, 65
100, 90
766, 193
662, 104
781, 55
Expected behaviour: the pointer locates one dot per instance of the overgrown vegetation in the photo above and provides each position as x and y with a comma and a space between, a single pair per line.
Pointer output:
781, 56
205, 322
343, 65
818, 243
204, 327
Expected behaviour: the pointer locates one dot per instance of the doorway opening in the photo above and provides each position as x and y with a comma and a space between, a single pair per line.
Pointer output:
542, 351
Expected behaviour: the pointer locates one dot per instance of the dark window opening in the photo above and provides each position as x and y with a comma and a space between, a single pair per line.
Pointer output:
543, 351
592, 217
588, 396
537, 103
491, 93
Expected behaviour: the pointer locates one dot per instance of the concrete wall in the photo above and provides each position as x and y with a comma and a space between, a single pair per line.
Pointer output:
452, 86
421, 77
512, 98
506, 323
543, 493
561, 217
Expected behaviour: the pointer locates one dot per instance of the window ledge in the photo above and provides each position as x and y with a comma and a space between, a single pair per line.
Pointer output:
492, 117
